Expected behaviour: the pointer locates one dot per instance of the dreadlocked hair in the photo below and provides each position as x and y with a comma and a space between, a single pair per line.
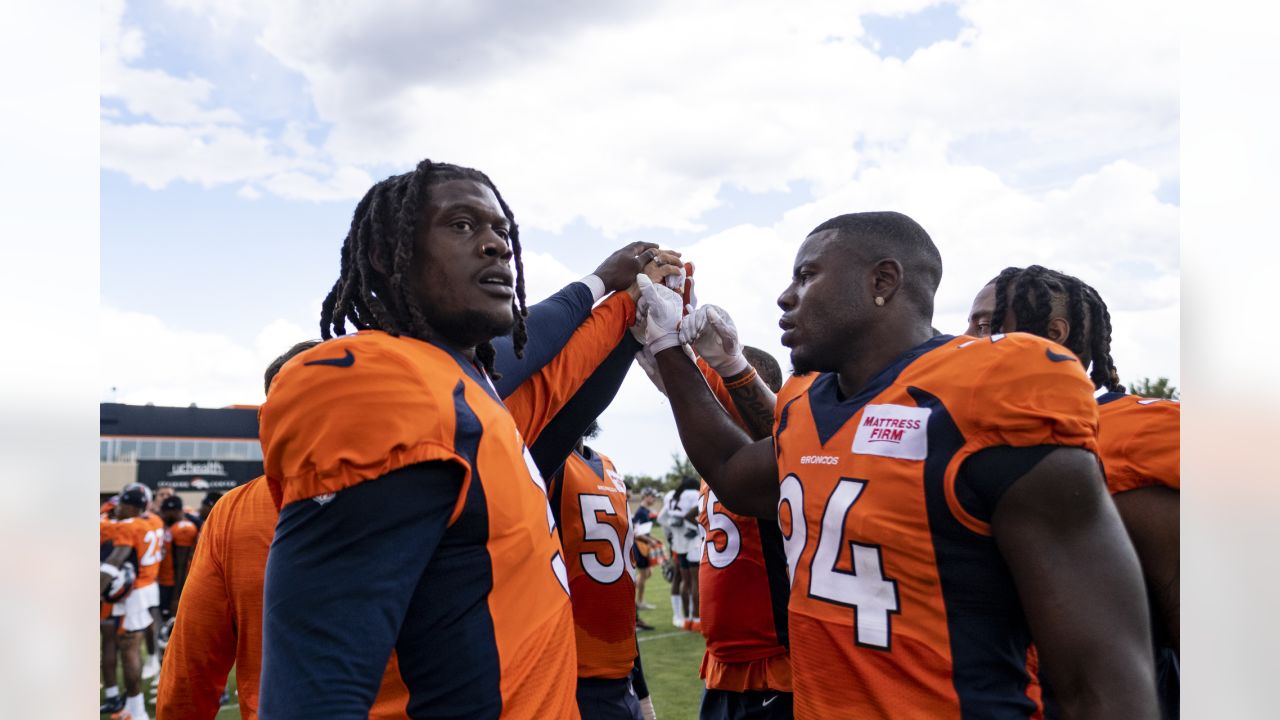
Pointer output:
1030, 292
387, 220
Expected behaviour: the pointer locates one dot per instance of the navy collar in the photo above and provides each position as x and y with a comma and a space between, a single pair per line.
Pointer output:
830, 413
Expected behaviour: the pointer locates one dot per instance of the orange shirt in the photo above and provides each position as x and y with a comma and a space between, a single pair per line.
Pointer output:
595, 528
401, 402
743, 589
180, 534
219, 620
147, 542
901, 604
1139, 441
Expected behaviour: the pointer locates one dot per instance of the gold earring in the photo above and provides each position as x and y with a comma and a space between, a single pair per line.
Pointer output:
879, 301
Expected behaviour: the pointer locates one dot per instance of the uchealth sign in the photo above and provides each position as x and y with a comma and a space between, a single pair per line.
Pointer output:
197, 474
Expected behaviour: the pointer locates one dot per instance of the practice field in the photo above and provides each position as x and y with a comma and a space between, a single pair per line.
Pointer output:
671, 659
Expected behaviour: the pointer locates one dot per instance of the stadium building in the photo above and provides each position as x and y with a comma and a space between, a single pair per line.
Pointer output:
192, 450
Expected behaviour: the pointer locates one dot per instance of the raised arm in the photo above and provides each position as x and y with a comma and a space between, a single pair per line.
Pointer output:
562, 434
733, 380
551, 322
1079, 581
742, 473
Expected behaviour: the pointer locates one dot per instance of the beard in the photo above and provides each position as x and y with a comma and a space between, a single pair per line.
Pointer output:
800, 365
471, 327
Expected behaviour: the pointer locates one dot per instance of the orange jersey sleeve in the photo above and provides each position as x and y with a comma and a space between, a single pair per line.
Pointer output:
354, 409
219, 621
106, 530
1139, 440
538, 399
596, 530
1015, 390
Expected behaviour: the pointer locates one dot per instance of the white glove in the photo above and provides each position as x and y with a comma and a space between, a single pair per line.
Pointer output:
675, 282
661, 307
714, 336
646, 708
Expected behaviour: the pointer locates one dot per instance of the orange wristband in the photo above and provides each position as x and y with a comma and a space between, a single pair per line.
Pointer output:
743, 381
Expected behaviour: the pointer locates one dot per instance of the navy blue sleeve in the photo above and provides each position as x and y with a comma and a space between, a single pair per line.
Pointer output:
987, 474
562, 433
550, 324
339, 578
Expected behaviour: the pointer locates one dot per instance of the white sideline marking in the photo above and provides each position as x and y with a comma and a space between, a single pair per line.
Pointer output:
664, 635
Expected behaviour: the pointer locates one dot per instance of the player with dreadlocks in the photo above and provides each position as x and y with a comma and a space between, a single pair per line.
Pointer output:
383, 233
1138, 438
409, 517
1049, 303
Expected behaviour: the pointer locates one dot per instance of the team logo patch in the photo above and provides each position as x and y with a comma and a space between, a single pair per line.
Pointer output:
896, 431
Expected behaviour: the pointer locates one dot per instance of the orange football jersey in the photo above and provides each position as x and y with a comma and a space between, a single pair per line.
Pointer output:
147, 542
595, 528
361, 406
219, 623
180, 534
1139, 441
742, 584
535, 403
901, 605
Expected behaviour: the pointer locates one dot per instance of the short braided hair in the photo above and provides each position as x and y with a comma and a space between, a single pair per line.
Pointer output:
388, 218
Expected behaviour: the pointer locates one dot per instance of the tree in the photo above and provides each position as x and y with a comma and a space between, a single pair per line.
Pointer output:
1158, 389
680, 467
638, 483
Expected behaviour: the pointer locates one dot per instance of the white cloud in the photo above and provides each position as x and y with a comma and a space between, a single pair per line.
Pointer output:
147, 361
1040, 135
344, 184
181, 136
637, 115
156, 155
150, 92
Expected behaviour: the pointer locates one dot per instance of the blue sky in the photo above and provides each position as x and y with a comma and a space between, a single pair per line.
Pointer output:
236, 140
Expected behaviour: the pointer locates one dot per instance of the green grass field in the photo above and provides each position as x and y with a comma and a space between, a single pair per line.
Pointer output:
671, 659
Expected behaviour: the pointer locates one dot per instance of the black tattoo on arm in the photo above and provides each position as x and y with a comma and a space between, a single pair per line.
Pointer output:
755, 403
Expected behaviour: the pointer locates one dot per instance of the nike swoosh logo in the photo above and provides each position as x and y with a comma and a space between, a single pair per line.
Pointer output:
765, 703
1051, 355
346, 361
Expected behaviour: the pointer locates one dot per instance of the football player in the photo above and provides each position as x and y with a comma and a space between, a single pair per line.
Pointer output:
135, 541
108, 625
1138, 438
679, 516
743, 568
221, 624
397, 431
179, 542
589, 500
936, 515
